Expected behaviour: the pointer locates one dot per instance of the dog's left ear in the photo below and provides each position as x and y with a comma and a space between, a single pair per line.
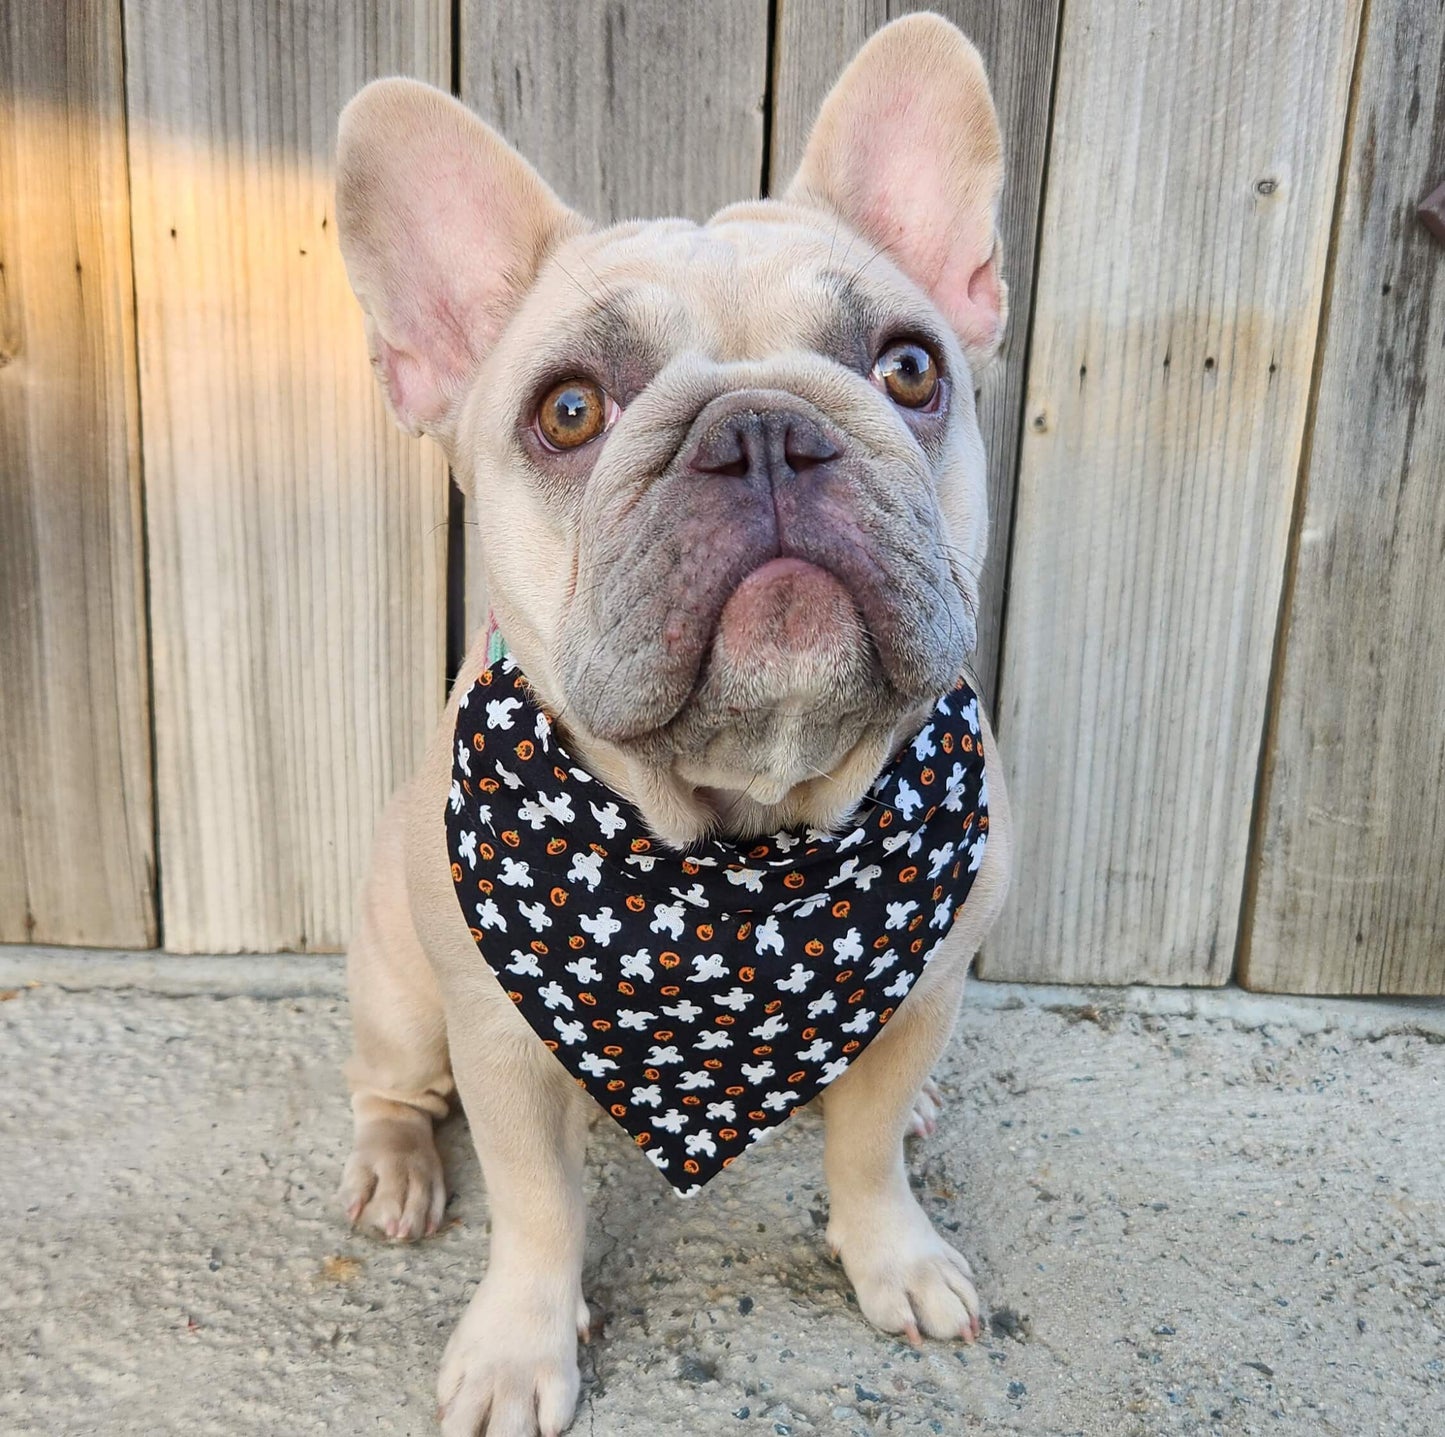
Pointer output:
907, 150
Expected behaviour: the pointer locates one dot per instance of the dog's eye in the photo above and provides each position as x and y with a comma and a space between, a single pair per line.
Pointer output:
574, 413
908, 372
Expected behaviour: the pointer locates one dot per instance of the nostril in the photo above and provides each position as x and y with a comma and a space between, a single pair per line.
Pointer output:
723, 453
806, 446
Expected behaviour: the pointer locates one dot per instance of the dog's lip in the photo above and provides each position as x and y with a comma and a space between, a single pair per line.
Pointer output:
778, 568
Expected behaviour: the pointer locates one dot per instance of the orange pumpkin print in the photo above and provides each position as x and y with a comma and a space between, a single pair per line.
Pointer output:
616, 1085
690, 1165
668, 958
558, 897
842, 908
611, 1050
487, 851
636, 902
704, 931
642, 1139
618, 1110
927, 776
512, 838
691, 1100
664, 1035
747, 974
538, 947
727, 1134
456, 873
713, 1063
735, 1091
556, 846
640, 845
669, 990
691, 867
793, 879
588, 999
526, 749
743, 932
576, 941
845, 975
479, 742
885, 819
907, 875
488, 785
484, 885
626, 988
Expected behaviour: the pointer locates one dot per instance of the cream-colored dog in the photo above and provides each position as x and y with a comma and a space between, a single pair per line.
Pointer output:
617, 399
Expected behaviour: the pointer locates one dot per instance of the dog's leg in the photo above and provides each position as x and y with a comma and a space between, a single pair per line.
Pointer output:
398, 1072
908, 1279
510, 1368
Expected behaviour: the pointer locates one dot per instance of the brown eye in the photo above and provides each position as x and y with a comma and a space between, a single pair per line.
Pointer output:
907, 371
573, 413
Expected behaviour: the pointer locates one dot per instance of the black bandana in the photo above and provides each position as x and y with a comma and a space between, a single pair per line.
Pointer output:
702, 997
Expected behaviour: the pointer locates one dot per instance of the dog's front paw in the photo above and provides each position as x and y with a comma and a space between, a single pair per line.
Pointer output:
510, 1369
393, 1183
927, 1106
907, 1278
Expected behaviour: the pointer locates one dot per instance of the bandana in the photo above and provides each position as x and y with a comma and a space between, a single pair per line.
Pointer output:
702, 997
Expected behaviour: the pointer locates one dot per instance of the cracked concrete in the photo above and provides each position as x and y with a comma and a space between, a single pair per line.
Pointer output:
1189, 1214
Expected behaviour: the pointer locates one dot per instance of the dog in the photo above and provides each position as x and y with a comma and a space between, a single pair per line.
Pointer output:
733, 509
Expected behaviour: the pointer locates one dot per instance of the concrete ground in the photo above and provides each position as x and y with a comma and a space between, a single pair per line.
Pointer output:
1189, 1214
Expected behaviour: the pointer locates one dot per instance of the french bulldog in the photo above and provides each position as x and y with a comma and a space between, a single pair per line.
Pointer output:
733, 508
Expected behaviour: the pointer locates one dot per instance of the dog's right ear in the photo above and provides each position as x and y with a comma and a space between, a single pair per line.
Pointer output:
443, 227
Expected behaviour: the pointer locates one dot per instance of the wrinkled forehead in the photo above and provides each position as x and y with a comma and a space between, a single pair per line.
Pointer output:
753, 282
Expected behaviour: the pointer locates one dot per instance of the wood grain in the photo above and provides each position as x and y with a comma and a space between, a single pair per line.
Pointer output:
296, 538
1191, 182
816, 39
76, 852
1351, 880
628, 108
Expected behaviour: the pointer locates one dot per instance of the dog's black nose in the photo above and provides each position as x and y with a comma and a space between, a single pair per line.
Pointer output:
764, 446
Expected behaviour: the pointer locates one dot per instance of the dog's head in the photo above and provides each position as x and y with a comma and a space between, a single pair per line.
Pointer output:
729, 476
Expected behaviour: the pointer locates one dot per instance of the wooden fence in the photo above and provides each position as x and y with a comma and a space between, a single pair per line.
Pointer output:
1215, 611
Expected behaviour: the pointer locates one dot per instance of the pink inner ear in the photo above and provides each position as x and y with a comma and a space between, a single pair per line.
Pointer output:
906, 208
979, 316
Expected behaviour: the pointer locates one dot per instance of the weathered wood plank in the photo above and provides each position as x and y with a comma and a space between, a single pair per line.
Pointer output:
296, 539
628, 108
816, 39
76, 856
1192, 175
1351, 882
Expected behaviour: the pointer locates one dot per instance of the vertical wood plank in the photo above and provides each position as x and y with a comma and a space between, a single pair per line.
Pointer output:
628, 108
1191, 182
816, 39
76, 860
1351, 881
296, 539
